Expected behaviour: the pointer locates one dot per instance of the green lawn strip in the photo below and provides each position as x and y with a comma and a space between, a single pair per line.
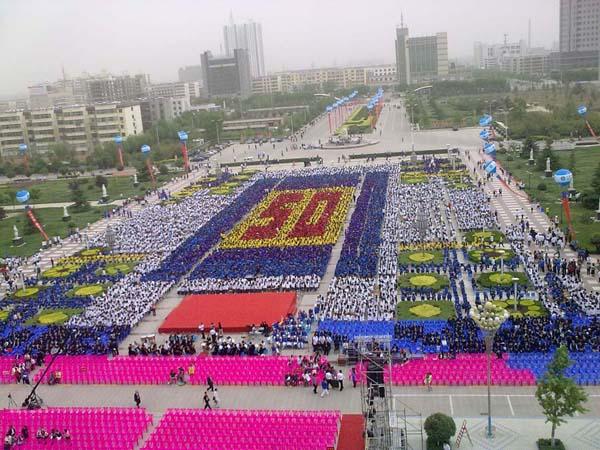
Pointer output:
474, 237
497, 279
57, 191
420, 257
446, 310
56, 316
525, 308
586, 162
51, 220
423, 280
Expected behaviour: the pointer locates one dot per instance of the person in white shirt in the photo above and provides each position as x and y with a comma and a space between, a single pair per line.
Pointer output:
340, 379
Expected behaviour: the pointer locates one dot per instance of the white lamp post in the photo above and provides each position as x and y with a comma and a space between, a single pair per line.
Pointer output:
489, 318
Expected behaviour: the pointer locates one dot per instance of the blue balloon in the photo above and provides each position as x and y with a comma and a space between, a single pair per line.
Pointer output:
118, 139
22, 148
490, 167
485, 120
489, 148
582, 110
484, 134
563, 177
183, 136
145, 148
22, 196
328, 109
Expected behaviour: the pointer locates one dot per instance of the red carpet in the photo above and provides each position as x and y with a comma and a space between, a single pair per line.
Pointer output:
351, 433
234, 311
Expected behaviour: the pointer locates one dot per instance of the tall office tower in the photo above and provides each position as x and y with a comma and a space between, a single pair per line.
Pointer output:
226, 75
247, 36
579, 25
419, 59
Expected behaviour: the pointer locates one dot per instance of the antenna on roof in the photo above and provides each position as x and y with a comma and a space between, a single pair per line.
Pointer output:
401, 20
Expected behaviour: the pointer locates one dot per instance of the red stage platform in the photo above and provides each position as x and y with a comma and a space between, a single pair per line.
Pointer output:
234, 311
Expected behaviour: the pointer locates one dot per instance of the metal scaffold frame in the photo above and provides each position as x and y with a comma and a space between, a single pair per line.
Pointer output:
388, 422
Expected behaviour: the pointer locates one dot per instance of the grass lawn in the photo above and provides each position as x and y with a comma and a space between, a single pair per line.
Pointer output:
528, 308
53, 316
51, 220
57, 191
586, 161
430, 310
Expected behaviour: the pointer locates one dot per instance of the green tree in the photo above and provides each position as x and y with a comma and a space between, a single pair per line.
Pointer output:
528, 145
78, 197
557, 394
101, 180
540, 163
439, 428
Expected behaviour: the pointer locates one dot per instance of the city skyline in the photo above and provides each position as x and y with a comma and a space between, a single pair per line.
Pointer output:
319, 35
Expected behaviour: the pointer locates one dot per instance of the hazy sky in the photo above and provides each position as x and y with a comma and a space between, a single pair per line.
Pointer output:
38, 37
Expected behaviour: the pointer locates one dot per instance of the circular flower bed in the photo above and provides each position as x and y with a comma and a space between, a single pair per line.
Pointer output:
493, 253
27, 292
116, 268
525, 308
87, 290
484, 237
52, 318
497, 279
421, 257
423, 280
425, 310
60, 271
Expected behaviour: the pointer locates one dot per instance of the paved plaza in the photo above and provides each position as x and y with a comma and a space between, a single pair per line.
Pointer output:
517, 415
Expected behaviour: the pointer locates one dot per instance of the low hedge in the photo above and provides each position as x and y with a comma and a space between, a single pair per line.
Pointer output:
546, 444
423, 280
497, 279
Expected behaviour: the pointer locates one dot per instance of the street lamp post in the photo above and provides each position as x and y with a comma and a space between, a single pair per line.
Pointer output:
489, 318
515, 280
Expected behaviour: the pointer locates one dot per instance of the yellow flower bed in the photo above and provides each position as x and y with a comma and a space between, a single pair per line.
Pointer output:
425, 310
4, 315
501, 278
61, 270
84, 291
53, 317
422, 280
421, 257
27, 292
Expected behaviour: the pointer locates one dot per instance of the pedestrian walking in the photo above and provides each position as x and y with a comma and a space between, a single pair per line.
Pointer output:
353, 377
210, 383
137, 399
206, 400
315, 381
340, 379
427, 381
325, 388
216, 399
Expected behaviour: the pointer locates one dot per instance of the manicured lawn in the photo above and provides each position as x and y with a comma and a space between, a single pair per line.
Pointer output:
498, 279
586, 162
51, 220
57, 191
430, 310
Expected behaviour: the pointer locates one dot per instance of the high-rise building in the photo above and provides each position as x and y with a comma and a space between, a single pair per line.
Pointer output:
190, 73
249, 37
226, 76
422, 58
490, 56
579, 25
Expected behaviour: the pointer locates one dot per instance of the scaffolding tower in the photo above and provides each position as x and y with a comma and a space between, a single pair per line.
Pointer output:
389, 423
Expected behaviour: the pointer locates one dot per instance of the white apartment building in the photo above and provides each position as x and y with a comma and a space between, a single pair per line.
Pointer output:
80, 126
344, 77
247, 36
490, 56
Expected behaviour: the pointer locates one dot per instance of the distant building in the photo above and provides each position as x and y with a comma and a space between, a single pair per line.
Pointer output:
226, 76
58, 93
116, 88
81, 126
190, 73
422, 58
249, 37
338, 77
490, 56
168, 108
